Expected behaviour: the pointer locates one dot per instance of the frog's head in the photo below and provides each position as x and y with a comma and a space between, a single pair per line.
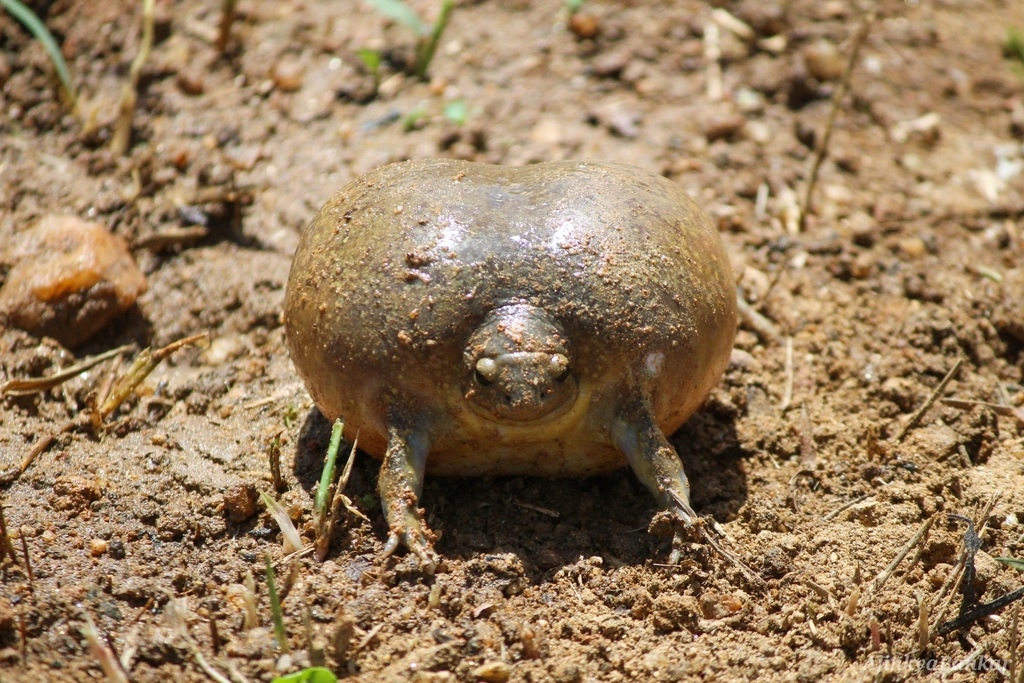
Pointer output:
519, 366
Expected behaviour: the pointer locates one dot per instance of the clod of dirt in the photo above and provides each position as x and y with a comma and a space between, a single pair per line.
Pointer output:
1009, 315
674, 612
240, 502
70, 278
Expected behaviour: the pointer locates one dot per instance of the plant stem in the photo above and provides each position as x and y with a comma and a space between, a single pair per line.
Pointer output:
427, 47
275, 607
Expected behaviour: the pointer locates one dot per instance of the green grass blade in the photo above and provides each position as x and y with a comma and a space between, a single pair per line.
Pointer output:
275, 607
1014, 562
400, 12
427, 48
330, 466
36, 27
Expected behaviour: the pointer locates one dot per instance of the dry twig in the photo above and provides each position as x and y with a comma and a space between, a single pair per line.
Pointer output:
904, 551
760, 324
144, 364
33, 385
121, 139
28, 564
808, 449
787, 391
845, 506
712, 58
6, 548
837, 99
952, 583
227, 18
102, 652
919, 413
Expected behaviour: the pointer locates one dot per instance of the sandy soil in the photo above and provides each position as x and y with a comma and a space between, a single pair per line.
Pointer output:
912, 258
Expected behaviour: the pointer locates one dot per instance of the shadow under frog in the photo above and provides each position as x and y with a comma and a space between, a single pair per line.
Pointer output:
547, 523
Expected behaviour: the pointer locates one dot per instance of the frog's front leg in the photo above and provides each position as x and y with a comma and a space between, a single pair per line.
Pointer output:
654, 461
400, 485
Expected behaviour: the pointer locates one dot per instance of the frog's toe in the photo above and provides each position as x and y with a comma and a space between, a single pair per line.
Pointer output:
417, 543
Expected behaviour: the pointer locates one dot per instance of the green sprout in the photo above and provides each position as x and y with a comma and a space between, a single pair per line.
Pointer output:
457, 111
415, 118
574, 6
427, 36
291, 413
372, 60
313, 674
1013, 49
275, 607
36, 27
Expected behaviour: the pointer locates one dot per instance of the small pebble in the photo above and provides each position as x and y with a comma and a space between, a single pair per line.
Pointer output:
243, 158
749, 101
391, 86
547, 132
758, 131
69, 279
724, 127
863, 266
223, 349
913, 247
584, 26
834, 9
823, 60
764, 16
566, 672
98, 546
743, 360
438, 85
620, 120
288, 74
493, 672
284, 663
863, 229
610, 64
719, 606
190, 80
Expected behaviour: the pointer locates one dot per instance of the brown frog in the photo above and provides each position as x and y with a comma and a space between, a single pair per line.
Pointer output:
469, 319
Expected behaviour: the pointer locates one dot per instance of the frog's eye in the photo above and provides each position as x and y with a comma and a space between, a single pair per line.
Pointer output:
559, 367
486, 371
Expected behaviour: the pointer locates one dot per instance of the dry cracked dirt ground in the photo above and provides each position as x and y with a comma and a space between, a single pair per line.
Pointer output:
912, 258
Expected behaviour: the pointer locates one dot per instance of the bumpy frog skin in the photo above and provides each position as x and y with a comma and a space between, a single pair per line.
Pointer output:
469, 319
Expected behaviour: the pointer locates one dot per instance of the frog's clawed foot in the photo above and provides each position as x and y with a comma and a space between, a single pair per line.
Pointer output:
416, 540
683, 525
